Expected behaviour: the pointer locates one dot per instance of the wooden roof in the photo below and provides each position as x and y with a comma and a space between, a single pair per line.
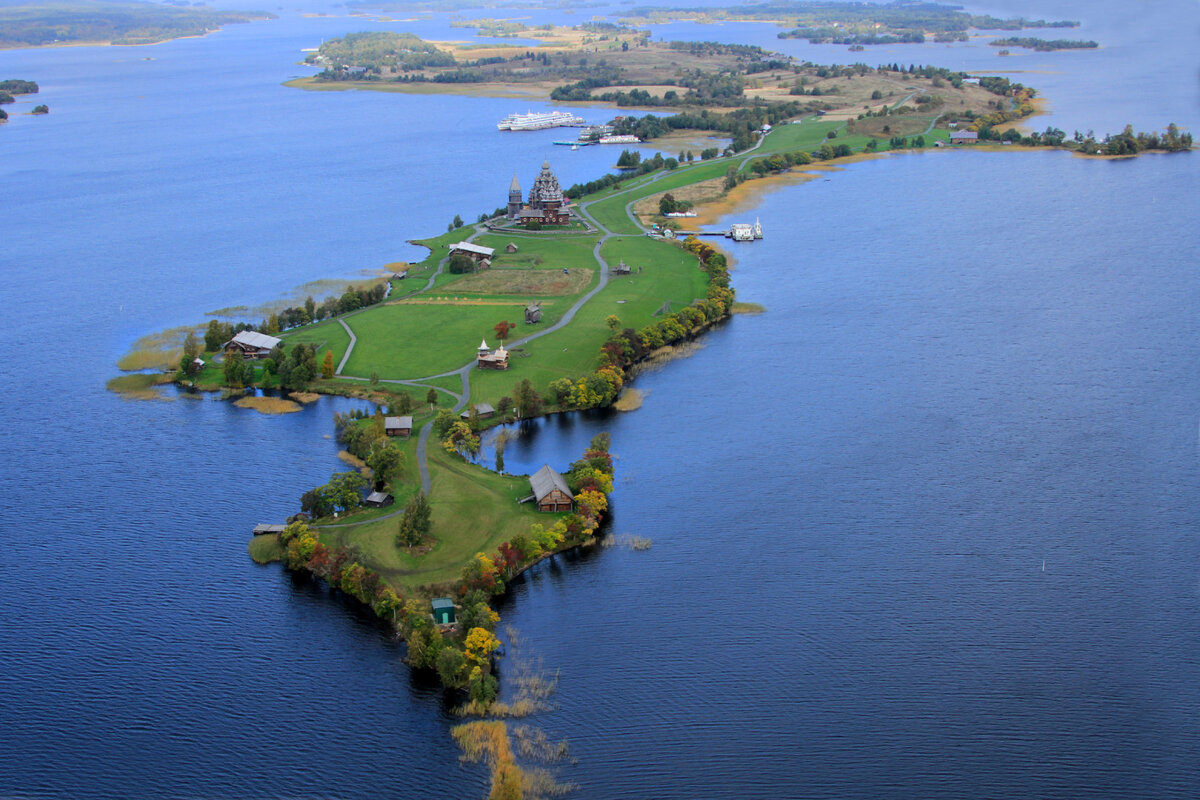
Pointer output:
255, 339
397, 422
545, 481
467, 247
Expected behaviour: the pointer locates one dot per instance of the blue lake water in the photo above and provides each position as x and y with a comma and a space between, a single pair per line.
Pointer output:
971, 365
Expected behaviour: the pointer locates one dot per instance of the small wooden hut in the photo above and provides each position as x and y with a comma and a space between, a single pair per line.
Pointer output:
550, 490
484, 410
533, 313
511, 248
379, 500
443, 610
397, 426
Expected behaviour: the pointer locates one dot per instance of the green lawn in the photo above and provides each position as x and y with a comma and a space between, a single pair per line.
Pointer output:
413, 341
670, 273
474, 510
327, 335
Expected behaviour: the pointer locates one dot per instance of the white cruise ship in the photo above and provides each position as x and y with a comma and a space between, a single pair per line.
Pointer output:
539, 121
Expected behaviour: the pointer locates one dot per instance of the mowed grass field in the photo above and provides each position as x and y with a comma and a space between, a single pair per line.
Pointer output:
474, 510
327, 335
417, 339
669, 273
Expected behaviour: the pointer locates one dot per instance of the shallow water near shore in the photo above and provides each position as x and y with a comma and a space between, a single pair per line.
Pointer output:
971, 365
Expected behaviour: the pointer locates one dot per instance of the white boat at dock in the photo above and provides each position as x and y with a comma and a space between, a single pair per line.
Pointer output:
540, 121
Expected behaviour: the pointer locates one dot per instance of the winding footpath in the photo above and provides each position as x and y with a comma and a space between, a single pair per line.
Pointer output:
463, 398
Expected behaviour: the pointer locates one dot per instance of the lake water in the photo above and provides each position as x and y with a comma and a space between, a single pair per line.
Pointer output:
926, 528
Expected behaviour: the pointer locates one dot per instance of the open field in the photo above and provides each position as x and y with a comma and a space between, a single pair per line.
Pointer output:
327, 335
474, 510
534, 282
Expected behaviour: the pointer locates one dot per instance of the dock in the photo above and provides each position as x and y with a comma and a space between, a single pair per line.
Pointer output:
264, 527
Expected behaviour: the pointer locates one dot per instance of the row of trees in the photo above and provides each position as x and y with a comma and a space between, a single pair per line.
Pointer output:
218, 332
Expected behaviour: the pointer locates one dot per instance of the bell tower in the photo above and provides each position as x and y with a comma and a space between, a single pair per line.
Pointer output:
514, 198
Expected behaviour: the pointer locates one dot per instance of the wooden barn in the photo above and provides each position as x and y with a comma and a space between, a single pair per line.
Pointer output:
485, 410
397, 426
379, 500
443, 610
550, 490
533, 313
511, 248
475, 251
963, 137
621, 269
251, 344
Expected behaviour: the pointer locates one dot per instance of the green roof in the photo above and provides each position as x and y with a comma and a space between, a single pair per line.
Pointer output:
442, 602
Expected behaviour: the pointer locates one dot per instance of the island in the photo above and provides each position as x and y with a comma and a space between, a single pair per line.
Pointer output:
552, 302
129, 22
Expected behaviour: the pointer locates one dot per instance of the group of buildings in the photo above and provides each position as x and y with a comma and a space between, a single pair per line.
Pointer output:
546, 206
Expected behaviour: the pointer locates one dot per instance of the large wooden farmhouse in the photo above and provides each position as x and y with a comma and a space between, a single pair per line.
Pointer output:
475, 251
550, 490
251, 344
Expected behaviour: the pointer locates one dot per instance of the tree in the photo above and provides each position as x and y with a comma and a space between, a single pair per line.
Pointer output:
451, 667
457, 223
431, 397
404, 403
273, 324
667, 204
443, 421
215, 336
613, 322
386, 462
502, 329
461, 263
327, 365
310, 307
234, 373
415, 523
561, 388
528, 401
461, 439
191, 347
480, 645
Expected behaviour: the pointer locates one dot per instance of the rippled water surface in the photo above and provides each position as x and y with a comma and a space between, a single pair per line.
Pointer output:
925, 528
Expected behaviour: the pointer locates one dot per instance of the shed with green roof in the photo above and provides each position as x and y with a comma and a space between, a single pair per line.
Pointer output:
443, 610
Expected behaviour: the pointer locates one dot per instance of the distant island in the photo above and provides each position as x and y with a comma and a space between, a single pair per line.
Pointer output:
1044, 44
103, 22
852, 23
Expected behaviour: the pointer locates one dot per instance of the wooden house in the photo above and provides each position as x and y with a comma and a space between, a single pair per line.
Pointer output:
963, 137
475, 251
533, 313
251, 344
550, 490
397, 426
443, 610
485, 263
484, 410
486, 358
511, 248
622, 269
379, 500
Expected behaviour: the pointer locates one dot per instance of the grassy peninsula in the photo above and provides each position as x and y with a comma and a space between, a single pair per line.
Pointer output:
572, 311
128, 22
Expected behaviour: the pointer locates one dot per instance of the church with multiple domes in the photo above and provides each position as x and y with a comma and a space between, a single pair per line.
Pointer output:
546, 202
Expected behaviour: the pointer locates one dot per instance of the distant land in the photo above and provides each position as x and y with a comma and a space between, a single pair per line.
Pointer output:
100, 22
